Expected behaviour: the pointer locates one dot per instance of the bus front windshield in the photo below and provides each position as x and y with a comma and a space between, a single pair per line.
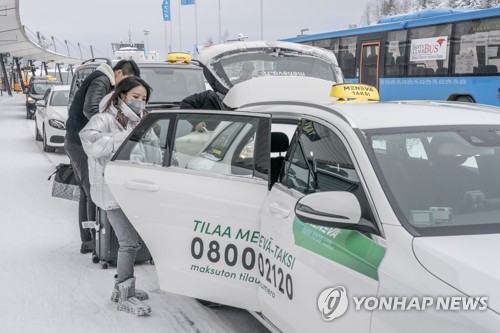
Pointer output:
443, 182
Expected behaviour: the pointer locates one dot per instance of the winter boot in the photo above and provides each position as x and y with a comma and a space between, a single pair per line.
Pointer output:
87, 247
140, 294
128, 302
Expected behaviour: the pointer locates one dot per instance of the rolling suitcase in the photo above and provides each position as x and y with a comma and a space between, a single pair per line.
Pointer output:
106, 244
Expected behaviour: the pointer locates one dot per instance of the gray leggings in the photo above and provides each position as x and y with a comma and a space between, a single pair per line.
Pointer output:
128, 241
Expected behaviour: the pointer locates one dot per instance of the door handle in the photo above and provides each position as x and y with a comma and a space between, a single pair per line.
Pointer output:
137, 185
278, 211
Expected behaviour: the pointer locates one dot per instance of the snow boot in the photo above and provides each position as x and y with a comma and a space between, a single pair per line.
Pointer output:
128, 302
87, 247
140, 294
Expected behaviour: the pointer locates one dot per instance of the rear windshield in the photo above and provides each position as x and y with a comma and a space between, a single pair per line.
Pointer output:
241, 67
172, 85
39, 88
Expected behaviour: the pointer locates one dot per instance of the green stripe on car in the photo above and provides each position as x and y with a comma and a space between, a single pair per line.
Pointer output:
346, 247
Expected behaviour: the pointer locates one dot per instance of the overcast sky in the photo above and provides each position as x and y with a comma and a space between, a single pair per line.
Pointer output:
101, 22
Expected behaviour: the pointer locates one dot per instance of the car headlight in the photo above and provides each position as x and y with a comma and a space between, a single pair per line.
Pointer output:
31, 100
57, 124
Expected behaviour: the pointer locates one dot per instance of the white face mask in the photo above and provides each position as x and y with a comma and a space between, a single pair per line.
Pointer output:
136, 105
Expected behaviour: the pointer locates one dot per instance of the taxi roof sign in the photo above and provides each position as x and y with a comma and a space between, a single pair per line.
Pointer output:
179, 57
354, 91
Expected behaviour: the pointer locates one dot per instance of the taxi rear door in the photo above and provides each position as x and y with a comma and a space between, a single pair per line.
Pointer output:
198, 209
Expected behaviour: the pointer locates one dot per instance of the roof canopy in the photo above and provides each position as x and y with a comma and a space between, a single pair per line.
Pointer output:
15, 42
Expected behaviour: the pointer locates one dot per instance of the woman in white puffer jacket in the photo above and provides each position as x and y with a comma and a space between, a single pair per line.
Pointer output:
101, 137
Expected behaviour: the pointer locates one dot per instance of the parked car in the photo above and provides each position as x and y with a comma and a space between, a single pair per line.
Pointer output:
36, 91
370, 217
50, 117
363, 202
171, 81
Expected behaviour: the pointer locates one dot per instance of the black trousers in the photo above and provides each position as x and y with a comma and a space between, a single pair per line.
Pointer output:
86, 207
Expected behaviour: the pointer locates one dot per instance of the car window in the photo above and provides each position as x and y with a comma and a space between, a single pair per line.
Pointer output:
320, 162
60, 98
147, 145
216, 143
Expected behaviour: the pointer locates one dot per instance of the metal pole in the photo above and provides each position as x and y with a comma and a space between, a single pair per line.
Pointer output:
5, 81
146, 33
60, 75
196, 22
33, 70
54, 42
166, 38
20, 74
171, 36
80, 48
180, 34
261, 20
45, 67
67, 47
92, 51
220, 28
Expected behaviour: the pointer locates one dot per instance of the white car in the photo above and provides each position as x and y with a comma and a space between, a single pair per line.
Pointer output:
324, 216
50, 117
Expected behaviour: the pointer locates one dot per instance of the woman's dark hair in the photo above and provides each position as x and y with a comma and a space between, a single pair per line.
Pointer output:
124, 86
128, 67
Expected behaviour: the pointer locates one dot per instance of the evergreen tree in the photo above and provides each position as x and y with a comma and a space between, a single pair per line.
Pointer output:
376, 9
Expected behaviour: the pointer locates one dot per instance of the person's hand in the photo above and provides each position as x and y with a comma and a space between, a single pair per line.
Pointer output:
201, 127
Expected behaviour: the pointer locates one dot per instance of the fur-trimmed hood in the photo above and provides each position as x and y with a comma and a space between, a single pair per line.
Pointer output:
108, 71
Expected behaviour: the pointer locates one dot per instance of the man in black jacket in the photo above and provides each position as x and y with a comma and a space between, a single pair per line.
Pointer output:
206, 100
86, 104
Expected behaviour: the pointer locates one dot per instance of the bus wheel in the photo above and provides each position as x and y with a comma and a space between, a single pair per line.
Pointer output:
466, 99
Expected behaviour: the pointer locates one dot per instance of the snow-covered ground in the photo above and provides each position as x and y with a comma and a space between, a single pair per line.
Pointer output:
46, 285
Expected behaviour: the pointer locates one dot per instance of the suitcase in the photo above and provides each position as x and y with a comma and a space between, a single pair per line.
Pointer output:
106, 244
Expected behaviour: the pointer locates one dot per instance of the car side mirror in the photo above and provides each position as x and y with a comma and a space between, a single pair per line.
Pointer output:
40, 103
334, 210
331, 209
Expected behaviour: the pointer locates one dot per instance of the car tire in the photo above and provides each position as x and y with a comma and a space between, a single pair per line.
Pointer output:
466, 99
38, 137
28, 114
46, 147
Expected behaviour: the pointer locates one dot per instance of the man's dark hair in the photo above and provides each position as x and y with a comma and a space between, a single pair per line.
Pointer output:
128, 67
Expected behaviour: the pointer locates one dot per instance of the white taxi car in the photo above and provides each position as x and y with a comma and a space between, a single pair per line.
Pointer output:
50, 117
325, 216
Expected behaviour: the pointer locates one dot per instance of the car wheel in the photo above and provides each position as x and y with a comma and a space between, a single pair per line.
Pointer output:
38, 137
466, 99
46, 147
28, 114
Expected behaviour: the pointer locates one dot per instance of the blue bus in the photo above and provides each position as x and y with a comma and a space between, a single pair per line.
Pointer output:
438, 54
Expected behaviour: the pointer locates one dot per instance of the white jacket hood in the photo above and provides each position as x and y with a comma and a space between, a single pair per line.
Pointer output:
108, 71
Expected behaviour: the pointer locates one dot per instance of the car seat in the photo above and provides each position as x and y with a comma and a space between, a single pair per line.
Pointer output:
279, 144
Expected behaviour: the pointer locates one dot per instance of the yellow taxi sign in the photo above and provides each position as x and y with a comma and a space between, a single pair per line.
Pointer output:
179, 57
51, 78
354, 91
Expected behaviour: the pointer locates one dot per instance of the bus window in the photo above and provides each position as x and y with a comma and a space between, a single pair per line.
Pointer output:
369, 63
347, 56
476, 47
429, 50
395, 49
331, 44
